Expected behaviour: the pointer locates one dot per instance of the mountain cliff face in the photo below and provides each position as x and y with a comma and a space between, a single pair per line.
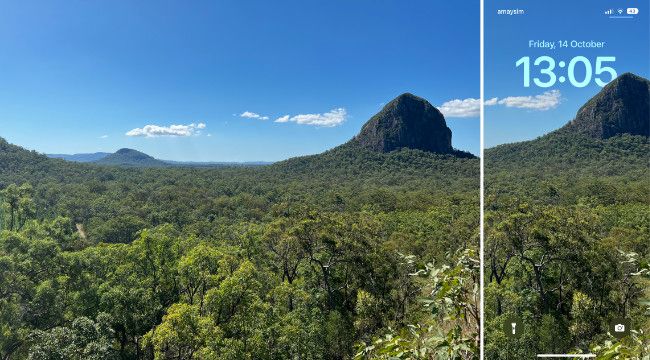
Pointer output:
621, 107
407, 121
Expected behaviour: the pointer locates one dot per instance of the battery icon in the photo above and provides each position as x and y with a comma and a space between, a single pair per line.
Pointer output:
632, 11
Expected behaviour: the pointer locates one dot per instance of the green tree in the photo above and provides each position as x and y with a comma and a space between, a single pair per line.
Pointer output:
84, 339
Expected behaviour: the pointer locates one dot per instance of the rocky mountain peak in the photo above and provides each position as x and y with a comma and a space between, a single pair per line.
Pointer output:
408, 121
621, 107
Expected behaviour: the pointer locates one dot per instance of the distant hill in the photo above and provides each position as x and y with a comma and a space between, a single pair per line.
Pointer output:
130, 157
96, 157
91, 157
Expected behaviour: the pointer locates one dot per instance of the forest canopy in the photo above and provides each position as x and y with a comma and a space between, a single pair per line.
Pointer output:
312, 258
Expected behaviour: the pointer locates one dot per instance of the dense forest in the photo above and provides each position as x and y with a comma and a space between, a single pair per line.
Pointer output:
567, 223
347, 254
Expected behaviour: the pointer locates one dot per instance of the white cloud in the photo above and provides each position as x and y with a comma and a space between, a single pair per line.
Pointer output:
331, 118
249, 115
491, 102
461, 108
471, 107
104, 137
172, 130
252, 115
546, 101
283, 119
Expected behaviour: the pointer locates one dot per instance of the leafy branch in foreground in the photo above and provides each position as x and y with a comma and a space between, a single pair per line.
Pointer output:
451, 328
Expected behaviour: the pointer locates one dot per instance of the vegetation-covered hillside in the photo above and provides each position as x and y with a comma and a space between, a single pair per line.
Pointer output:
316, 257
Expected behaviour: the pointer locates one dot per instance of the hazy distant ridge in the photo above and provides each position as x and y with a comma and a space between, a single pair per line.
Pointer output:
98, 157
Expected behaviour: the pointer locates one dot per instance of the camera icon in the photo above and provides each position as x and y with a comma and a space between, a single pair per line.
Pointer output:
620, 327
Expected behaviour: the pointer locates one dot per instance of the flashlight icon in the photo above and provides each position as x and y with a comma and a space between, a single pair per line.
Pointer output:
513, 327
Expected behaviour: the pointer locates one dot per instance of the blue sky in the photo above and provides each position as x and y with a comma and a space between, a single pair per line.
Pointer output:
78, 75
506, 40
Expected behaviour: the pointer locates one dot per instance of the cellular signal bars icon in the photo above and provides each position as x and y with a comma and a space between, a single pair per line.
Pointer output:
609, 11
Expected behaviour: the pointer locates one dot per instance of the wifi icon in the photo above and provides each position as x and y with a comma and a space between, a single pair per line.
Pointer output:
620, 11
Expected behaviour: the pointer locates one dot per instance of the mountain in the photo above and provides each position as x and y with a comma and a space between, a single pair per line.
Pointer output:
408, 138
607, 141
407, 121
80, 157
621, 107
130, 157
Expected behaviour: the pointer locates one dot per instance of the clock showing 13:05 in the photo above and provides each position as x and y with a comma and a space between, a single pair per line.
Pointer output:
549, 70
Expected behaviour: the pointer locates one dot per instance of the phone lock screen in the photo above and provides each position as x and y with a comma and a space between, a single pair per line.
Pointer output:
566, 179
